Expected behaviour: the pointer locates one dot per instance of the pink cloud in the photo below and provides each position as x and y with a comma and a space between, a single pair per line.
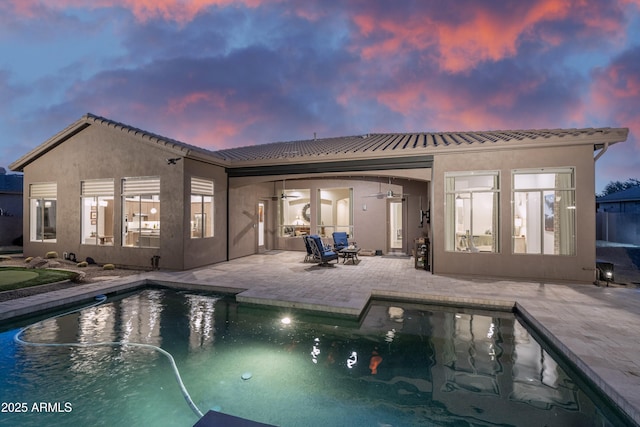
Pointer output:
181, 11
615, 92
194, 99
208, 132
209, 119
443, 104
475, 33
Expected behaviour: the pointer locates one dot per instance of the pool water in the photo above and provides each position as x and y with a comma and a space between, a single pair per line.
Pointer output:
401, 365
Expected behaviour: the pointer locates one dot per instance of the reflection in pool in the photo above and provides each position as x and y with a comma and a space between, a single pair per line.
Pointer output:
402, 365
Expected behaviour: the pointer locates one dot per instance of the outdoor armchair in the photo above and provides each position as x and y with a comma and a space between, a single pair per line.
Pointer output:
320, 253
310, 256
340, 240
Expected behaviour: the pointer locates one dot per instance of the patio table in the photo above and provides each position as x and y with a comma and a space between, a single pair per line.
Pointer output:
349, 254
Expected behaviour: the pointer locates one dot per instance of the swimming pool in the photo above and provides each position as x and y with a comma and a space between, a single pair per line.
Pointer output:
401, 365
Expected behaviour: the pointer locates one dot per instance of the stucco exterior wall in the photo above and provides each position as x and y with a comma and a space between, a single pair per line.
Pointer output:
210, 250
579, 267
243, 218
99, 153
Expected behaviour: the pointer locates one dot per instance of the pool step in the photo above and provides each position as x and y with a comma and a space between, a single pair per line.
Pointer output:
214, 418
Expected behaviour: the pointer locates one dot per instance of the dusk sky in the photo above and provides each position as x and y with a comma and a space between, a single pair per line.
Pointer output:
222, 73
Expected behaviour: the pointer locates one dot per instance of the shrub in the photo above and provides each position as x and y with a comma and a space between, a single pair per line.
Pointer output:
108, 267
82, 264
51, 254
28, 259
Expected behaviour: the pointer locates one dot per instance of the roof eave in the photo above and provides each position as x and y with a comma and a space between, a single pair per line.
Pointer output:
89, 119
598, 138
71, 130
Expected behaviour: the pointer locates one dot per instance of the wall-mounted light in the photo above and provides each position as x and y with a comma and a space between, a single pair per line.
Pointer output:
153, 211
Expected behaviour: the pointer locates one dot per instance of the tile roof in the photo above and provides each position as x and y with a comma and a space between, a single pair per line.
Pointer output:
630, 194
11, 183
384, 144
178, 147
369, 146
183, 147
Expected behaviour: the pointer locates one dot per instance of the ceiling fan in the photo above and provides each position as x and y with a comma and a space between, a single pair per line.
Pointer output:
283, 195
389, 194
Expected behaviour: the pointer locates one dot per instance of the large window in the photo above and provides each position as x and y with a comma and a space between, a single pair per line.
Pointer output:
336, 211
544, 212
42, 213
201, 208
97, 212
141, 212
471, 216
295, 213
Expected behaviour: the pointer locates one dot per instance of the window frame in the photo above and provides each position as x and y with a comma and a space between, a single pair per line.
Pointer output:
201, 189
97, 190
41, 194
326, 230
551, 198
469, 240
141, 189
293, 222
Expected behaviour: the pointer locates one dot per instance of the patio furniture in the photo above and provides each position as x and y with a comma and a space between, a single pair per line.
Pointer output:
320, 254
309, 256
349, 253
340, 240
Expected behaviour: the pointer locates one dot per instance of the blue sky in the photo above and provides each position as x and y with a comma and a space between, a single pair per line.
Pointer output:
223, 73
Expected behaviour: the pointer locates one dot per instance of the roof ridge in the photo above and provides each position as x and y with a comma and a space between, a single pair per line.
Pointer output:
151, 136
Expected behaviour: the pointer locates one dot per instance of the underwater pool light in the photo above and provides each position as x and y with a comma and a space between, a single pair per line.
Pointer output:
285, 320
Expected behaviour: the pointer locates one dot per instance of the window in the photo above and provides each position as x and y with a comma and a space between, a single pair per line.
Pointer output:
295, 213
544, 212
336, 211
201, 208
471, 211
42, 219
97, 212
141, 212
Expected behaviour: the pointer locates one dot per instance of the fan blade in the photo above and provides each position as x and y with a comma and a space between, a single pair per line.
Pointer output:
376, 195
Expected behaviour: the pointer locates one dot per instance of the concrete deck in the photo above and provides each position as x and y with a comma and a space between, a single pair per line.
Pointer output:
595, 327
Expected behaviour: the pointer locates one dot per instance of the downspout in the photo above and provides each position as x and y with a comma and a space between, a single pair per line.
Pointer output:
601, 152
228, 229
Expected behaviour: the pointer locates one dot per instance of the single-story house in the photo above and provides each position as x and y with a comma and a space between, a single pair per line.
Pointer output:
621, 201
10, 208
618, 217
515, 203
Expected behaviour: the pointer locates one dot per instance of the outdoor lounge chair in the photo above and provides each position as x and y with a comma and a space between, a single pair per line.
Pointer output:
310, 256
340, 240
320, 254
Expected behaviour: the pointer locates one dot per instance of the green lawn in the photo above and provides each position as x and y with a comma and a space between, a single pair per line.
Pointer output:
19, 277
